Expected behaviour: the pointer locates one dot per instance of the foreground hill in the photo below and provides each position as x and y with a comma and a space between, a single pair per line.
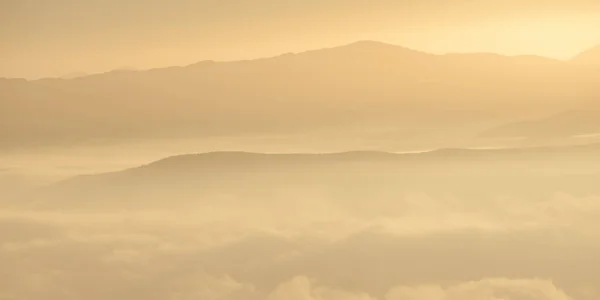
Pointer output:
366, 85
361, 180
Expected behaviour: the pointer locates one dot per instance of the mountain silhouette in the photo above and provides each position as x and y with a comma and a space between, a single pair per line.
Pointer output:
201, 179
589, 57
571, 123
415, 96
74, 75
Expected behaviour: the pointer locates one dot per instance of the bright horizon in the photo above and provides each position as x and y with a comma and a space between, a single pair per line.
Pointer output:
62, 38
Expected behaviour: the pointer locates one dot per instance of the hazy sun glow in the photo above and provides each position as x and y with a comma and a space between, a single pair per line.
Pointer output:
550, 37
56, 38
300, 149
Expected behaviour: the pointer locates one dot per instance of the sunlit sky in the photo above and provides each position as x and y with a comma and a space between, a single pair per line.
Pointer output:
46, 38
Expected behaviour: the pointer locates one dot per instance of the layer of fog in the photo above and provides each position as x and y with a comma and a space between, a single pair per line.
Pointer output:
512, 249
449, 226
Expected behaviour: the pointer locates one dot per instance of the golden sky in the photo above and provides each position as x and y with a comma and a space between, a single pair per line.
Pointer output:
43, 38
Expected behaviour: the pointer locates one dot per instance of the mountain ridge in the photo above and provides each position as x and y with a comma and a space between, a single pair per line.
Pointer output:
232, 157
590, 56
367, 85
196, 180
361, 45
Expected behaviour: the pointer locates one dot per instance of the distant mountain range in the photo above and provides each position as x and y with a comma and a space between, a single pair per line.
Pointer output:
203, 180
365, 86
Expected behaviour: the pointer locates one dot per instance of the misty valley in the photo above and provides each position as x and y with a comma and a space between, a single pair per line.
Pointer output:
361, 172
